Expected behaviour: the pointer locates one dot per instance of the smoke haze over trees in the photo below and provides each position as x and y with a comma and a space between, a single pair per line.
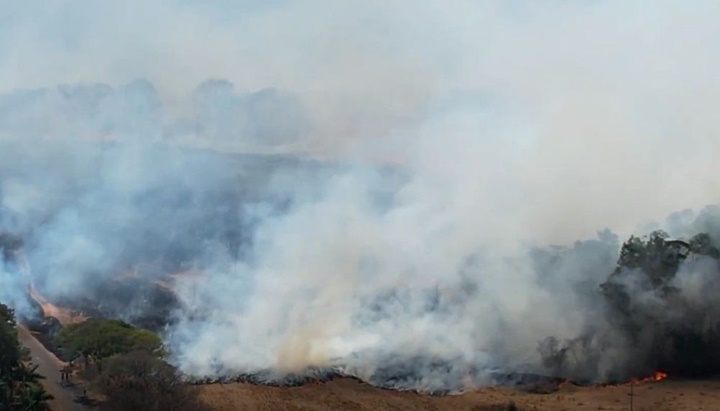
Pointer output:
408, 192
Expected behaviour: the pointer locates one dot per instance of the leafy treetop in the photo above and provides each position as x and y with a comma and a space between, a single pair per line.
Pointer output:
100, 338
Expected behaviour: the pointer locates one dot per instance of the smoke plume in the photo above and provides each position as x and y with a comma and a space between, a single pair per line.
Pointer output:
390, 189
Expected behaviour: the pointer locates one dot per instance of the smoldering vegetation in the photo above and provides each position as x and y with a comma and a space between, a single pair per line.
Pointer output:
91, 176
255, 221
660, 308
656, 311
187, 242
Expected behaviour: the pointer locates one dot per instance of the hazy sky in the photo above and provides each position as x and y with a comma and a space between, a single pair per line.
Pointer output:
612, 103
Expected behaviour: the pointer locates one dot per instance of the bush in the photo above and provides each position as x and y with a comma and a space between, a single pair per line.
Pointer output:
139, 381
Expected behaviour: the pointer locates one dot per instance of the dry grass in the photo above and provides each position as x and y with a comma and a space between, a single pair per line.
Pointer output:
351, 395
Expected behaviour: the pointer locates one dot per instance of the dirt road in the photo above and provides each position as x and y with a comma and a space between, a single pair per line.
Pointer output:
49, 366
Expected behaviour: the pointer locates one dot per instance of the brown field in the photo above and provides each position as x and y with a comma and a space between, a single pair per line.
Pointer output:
351, 395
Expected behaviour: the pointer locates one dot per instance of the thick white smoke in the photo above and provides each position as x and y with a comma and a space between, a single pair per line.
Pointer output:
498, 126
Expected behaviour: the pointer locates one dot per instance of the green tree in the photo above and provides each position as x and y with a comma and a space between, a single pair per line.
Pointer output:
31, 398
98, 339
19, 387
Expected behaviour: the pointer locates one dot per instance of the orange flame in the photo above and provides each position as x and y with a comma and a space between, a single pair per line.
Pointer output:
64, 315
655, 377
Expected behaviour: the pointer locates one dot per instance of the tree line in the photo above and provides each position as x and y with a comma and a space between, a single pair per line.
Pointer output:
19, 382
126, 364
660, 307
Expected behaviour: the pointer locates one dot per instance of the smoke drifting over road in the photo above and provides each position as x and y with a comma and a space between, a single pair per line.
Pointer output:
374, 187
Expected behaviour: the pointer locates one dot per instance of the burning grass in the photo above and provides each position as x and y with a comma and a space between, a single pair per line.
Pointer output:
65, 316
151, 299
349, 394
